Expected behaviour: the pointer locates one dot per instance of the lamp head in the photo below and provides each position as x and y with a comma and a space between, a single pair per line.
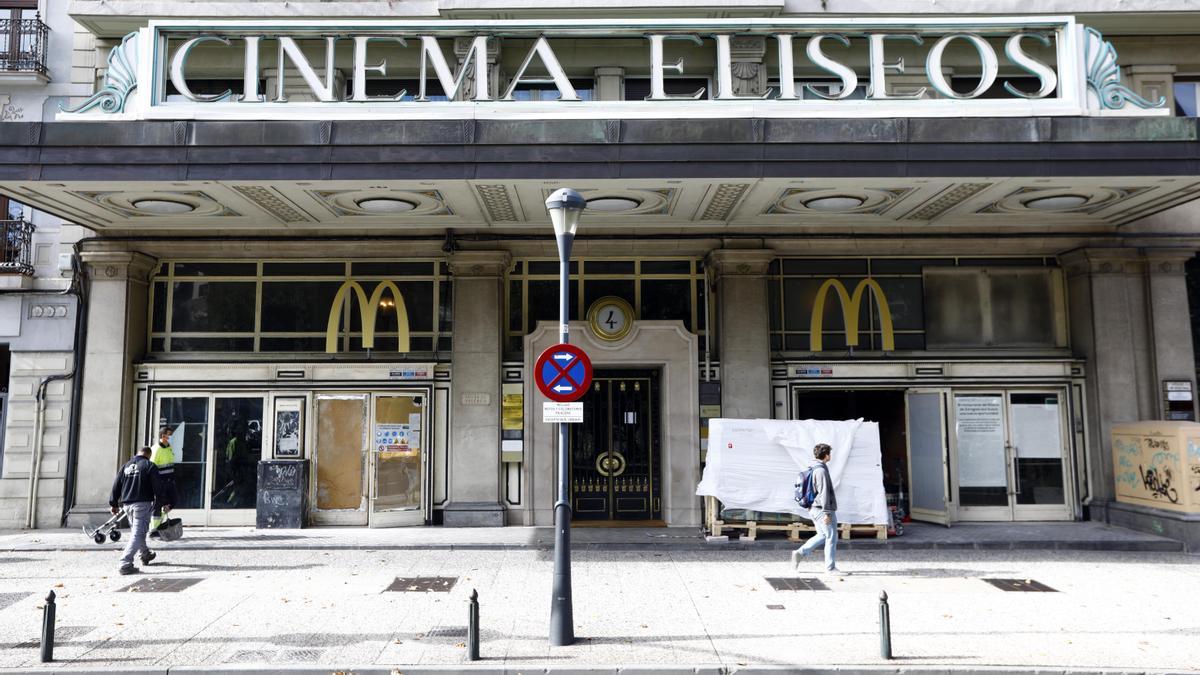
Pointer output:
565, 207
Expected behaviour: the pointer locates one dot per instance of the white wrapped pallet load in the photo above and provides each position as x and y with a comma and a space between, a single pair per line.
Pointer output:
753, 465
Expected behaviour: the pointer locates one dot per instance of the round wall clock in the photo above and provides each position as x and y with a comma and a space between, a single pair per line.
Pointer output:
610, 318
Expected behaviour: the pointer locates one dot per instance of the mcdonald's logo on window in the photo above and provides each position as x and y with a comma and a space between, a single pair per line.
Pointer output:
851, 304
369, 308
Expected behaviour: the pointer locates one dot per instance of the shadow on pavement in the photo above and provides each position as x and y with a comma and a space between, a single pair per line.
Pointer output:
204, 567
931, 572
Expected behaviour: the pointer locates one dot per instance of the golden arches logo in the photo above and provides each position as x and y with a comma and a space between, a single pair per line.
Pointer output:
850, 310
369, 308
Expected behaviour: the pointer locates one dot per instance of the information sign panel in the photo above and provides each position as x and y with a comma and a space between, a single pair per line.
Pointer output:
562, 413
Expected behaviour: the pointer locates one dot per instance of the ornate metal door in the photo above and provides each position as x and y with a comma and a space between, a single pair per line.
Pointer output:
615, 451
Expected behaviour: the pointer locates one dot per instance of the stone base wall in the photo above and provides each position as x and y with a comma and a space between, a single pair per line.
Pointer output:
1184, 527
27, 371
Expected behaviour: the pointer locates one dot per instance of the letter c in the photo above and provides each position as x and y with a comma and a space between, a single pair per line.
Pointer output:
179, 62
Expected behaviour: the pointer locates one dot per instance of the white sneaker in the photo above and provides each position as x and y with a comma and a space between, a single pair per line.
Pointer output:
796, 555
835, 572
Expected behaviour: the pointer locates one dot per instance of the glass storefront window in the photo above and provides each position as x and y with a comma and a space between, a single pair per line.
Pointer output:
158, 308
656, 288
418, 300
237, 448
546, 91
297, 306
1187, 98
283, 306
667, 300
994, 307
602, 288
187, 417
933, 303
204, 307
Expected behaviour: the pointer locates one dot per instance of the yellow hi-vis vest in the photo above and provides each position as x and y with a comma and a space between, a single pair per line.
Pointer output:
164, 459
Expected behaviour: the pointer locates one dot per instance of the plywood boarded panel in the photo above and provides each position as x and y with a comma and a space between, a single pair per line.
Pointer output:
341, 423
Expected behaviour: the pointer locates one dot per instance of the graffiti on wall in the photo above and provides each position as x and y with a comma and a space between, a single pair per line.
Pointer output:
1156, 470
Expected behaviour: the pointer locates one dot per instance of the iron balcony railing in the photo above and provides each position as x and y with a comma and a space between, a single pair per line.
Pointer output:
16, 245
23, 45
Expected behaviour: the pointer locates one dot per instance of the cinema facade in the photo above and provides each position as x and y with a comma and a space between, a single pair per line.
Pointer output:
325, 239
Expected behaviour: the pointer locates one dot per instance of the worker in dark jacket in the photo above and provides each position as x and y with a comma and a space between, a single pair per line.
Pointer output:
135, 489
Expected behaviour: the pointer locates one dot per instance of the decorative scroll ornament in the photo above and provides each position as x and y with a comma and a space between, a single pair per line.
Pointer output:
1104, 75
120, 79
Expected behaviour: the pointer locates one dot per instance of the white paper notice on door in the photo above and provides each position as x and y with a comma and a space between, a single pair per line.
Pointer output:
414, 423
980, 433
1036, 431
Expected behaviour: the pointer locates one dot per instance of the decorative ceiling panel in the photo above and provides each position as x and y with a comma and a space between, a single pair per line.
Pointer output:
977, 204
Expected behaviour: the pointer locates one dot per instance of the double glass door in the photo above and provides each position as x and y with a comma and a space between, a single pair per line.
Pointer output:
1011, 450
370, 460
614, 452
217, 443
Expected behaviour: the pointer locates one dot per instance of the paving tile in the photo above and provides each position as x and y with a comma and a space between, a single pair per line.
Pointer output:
643, 608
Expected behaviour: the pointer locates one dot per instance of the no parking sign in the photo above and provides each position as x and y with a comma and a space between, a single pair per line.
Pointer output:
563, 373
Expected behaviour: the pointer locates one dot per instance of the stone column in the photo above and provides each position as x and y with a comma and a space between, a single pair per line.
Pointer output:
116, 337
1170, 321
742, 331
1105, 294
475, 376
610, 84
1152, 82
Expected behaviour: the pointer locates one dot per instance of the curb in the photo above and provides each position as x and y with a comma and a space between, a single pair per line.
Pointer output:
699, 547
516, 669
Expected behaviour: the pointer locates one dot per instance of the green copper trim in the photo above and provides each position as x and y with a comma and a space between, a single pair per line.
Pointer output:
120, 79
1104, 75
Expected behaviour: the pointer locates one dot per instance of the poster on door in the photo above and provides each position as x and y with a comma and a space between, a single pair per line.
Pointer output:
980, 431
396, 440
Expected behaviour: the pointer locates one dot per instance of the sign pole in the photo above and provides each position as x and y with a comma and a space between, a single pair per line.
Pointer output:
562, 621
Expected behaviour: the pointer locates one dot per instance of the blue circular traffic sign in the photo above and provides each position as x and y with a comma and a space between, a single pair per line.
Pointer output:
563, 373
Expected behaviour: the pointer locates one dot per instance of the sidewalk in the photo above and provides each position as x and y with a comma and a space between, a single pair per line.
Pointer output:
1071, 536
288, 606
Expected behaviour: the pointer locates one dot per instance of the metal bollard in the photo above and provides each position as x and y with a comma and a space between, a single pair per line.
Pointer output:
473, 627
48, 629
885, 627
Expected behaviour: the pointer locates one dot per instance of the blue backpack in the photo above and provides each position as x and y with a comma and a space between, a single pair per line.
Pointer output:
806, 492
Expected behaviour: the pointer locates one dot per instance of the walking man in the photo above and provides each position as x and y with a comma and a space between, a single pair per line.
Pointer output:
823, 513
163, 457
135, 489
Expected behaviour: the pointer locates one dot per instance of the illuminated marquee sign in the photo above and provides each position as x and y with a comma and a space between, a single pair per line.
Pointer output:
1052, 66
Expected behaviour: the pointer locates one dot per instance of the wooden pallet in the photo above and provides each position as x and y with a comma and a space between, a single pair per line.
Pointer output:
716, 526
845, 530
752, 528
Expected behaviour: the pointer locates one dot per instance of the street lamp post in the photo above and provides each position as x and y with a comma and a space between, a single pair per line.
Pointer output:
565, 207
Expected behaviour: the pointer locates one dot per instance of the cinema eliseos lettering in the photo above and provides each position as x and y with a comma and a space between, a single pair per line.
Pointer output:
1017, 66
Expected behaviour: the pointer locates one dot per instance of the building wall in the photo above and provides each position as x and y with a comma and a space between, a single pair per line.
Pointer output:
40, 332
1129, 346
